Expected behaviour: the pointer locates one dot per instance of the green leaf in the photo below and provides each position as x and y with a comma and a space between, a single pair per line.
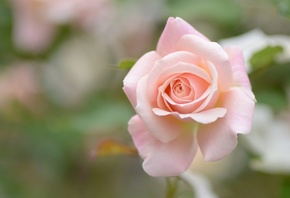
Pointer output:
126, 64
274, 98
6, 23
285, 192
269, 83
276, 76
265, 57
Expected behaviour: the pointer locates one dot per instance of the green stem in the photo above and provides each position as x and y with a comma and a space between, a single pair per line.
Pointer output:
172, 187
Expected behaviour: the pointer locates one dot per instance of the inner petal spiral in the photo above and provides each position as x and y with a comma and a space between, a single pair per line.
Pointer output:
185, 92
180, 88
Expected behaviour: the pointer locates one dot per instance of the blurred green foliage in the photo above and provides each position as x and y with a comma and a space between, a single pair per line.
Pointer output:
49, 154
270, 79
6, 47
285, 192
223, 15
265, 57
284, 7
222, 12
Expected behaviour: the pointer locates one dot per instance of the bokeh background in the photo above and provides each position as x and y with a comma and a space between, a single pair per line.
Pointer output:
63, 115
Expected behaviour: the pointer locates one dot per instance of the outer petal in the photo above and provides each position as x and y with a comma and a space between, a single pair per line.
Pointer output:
140, 69
240, 106
218, 139
164, 128
173, 31
212, 52
239, 67
162, 159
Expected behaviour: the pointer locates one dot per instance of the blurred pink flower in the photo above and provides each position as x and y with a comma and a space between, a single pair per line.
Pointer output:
19, 82
189, 93
36, 20
32, 30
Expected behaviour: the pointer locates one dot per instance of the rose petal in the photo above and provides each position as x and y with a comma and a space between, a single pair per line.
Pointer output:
207, 100
162, 159
199, 86
173, 31
186, 107
140, 69
178, 68
218, 139
204, 117
161, 100
211, 99
175, 63
240, 108
239, 67
181, 90
212, 52
164, 128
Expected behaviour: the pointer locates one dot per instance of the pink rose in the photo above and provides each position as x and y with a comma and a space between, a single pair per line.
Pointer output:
190, 93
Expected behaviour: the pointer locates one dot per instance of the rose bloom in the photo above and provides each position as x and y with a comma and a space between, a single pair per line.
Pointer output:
190, 93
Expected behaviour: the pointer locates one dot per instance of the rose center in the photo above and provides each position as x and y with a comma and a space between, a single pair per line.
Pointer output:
183, 89
180, 89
